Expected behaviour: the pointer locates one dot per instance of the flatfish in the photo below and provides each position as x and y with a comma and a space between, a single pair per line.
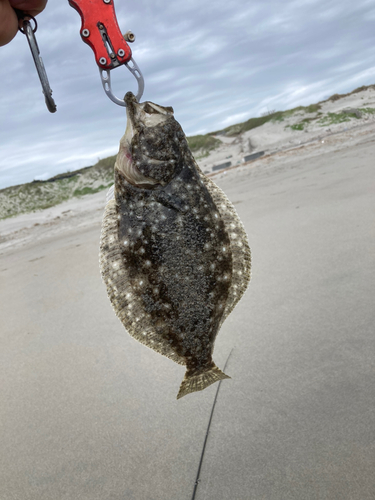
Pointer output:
174, 254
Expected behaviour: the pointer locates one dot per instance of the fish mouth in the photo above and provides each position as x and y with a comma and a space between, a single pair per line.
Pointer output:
140, 116
124, 161
145, 114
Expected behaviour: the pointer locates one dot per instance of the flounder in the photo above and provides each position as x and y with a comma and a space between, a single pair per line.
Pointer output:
174, 254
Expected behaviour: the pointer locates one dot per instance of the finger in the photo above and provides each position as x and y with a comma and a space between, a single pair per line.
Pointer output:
8, 22
32, 7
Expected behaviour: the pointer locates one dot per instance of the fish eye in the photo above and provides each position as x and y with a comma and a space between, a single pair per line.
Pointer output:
149, 109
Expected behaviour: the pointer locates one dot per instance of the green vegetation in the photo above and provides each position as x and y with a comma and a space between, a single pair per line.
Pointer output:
312, 108
336, 97
334, 118
39, 195
90, 190
370, 111
203, 144
239, 128
296, 126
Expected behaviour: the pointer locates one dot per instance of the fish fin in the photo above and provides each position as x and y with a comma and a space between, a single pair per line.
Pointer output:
241, 255
110, 193
199, 381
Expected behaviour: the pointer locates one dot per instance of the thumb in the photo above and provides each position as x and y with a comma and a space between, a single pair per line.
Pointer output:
8, 22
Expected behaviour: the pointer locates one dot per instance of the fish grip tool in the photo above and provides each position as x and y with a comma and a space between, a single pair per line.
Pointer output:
101, 32
26, 28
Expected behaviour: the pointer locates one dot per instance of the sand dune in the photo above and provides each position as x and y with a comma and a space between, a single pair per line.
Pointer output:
276, 135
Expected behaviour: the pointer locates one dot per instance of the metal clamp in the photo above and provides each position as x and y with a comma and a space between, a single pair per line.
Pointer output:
100, 30
27, 30
106, 81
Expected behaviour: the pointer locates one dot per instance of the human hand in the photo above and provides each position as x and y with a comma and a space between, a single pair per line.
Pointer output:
8, 16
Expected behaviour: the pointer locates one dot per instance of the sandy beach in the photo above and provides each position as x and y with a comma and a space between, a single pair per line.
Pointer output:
88, 413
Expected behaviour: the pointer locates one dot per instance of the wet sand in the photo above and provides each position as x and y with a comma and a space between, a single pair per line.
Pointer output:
88, 413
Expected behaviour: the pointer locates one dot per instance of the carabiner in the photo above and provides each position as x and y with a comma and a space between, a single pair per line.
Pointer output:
27, 30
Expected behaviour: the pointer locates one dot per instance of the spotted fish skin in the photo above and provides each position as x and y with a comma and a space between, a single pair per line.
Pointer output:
174, 254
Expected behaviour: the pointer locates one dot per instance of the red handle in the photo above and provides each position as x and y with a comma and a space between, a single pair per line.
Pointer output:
100, 30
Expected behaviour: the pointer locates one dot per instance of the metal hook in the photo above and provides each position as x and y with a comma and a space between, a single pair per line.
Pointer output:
27, 30
106, 81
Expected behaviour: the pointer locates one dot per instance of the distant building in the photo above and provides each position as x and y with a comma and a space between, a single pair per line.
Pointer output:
222, 165
253, 156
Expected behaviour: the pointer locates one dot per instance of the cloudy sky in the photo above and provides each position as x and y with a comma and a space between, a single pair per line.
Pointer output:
217, 63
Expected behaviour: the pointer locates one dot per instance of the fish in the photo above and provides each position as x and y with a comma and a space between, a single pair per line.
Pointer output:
174, 254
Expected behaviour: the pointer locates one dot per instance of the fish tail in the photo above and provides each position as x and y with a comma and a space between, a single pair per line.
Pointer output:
194, 382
